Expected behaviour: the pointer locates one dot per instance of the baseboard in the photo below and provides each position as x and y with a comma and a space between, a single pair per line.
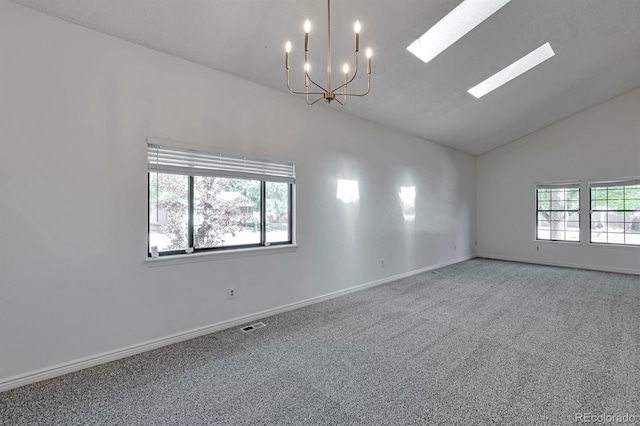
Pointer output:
80, 364
563, 264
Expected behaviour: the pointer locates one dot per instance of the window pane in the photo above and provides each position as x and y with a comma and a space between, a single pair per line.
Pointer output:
277, 212
619, 222
615, 238
558, 214
573, 235
616, 192
543, 219
632, 238
168, 211
616, 227
632, 204
544, 205
631, 217
543, 233
599, 204
543, 226
544, 199
601, 193
558, 199
632, 192
633, 222
615, 204
226, 212
544, 194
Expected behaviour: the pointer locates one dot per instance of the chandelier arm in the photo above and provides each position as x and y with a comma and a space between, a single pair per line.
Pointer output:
314, 102
301, 93
317, 85
361, 94
355, 72
304, 93
338, 101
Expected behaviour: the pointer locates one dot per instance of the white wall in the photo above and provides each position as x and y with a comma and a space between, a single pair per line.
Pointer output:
599, 143
75, 109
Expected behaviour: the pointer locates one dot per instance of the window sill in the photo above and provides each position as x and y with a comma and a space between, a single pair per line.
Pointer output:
177, 259
619, 246
571, 243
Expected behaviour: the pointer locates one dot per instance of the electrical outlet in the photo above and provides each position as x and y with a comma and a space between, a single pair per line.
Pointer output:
231, 293
382, 263
455, 247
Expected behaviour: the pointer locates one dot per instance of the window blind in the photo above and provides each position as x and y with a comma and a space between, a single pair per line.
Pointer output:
165, 159
560, 185
621, 182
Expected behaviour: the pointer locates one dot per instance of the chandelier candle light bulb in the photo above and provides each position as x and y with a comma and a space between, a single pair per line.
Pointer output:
345, 70
307, 67
307, 28
328, 94
287, 48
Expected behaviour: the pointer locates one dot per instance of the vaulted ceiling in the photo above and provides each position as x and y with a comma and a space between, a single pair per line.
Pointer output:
597, 46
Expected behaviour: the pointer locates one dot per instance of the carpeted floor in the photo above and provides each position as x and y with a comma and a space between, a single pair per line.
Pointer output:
479, 342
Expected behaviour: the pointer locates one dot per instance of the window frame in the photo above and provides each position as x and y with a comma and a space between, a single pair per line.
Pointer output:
193, 172
555, 186
263, 208
594, 185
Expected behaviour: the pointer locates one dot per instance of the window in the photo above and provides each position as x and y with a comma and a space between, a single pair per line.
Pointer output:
558, 212
615, 212
200, 201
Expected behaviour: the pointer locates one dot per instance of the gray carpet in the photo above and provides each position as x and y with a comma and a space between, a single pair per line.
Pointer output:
480, 342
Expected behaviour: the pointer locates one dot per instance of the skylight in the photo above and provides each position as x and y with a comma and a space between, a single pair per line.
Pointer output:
465, 17
519, 67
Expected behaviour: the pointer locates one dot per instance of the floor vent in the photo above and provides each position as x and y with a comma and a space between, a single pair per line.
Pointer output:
252, 327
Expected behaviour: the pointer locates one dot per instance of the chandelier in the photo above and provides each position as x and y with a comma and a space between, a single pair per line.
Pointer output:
329, 94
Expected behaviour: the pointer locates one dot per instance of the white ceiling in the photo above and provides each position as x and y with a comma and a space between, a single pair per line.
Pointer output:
597, 45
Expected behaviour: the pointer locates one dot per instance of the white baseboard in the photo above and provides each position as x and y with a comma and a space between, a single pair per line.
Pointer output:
563, 264
91, 361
